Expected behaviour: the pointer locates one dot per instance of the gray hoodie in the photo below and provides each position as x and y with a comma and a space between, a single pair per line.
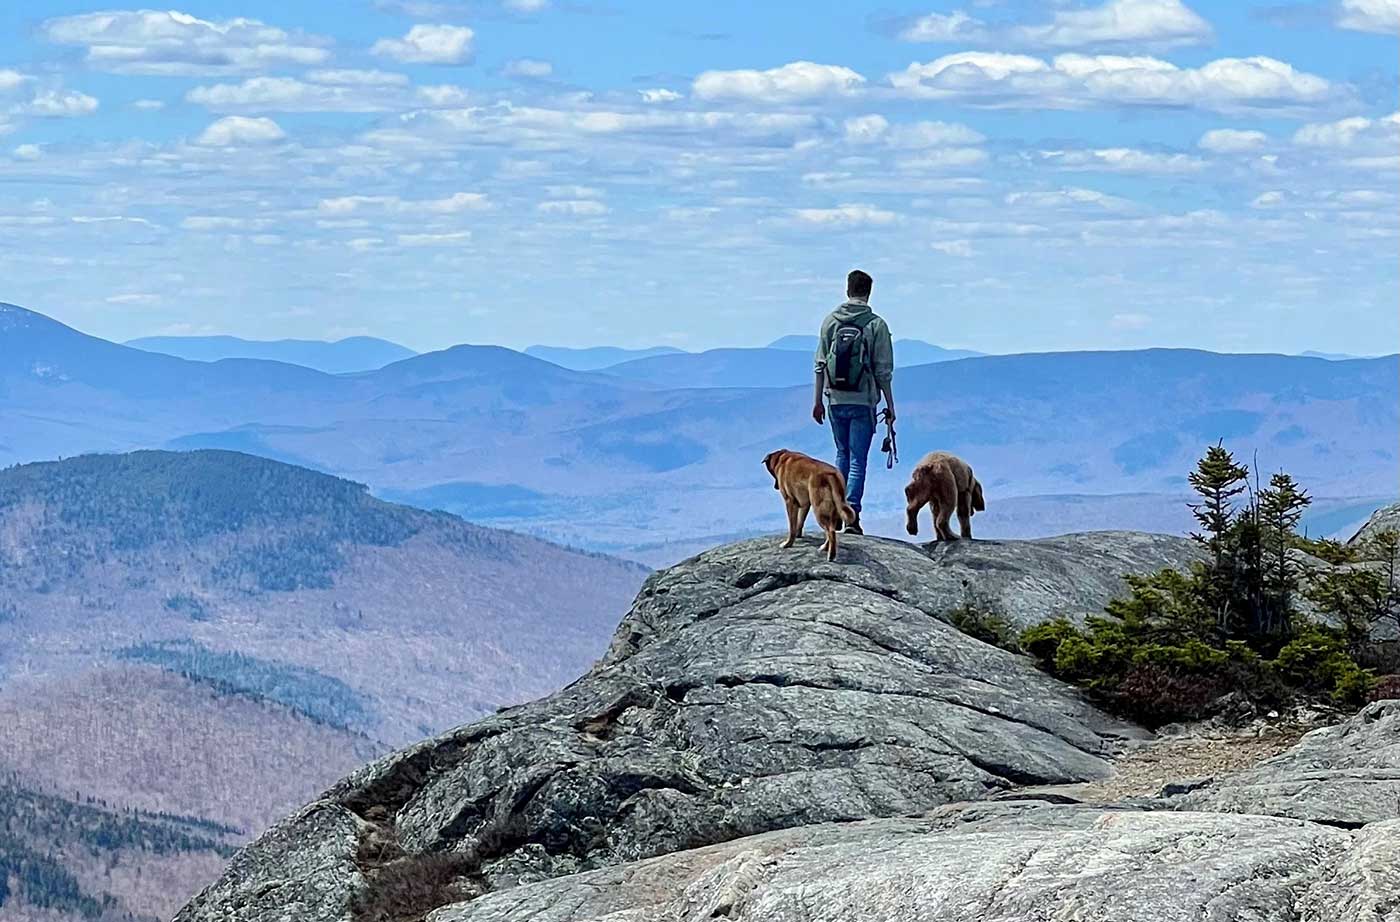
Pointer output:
881, 354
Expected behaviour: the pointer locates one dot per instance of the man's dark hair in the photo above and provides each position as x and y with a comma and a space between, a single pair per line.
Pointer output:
858, 284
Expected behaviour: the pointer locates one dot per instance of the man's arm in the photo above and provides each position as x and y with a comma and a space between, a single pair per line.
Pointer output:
883, 362
819, 381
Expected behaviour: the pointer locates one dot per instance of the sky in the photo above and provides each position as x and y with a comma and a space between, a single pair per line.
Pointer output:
1017, 176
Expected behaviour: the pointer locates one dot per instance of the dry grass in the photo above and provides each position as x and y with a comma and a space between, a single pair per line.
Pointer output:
1143, 771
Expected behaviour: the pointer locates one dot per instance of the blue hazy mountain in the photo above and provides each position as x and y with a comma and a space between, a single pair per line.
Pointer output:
774, 366
357, 353
720, 368
41, 352
906, 351
594, 358
608, 461
1329, 356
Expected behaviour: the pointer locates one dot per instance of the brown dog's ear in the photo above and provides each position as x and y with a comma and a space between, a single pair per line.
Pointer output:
768, 460
979, 503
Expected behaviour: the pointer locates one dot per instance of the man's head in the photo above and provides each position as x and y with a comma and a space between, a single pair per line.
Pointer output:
858, 285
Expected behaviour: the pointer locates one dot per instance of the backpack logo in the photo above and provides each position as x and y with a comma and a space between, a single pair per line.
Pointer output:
848, 358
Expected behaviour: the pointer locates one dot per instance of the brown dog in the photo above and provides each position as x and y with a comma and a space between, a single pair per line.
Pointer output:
808, 484
944, 483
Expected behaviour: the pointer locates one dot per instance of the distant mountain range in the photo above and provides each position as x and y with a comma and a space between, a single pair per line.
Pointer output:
594, 359
358, 353
1329, 356
906, 351
220, 635
651, 455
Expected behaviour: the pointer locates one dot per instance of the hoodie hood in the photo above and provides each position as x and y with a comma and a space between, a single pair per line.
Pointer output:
850, 310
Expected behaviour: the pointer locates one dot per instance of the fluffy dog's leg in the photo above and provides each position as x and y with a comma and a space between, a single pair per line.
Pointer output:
945, 502
791, 505
915, 498
827, 519
965, 514
802, 510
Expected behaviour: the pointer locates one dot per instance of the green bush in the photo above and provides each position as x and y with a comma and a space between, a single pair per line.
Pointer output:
1319, 662
986, 626
1043, 640
1178, 642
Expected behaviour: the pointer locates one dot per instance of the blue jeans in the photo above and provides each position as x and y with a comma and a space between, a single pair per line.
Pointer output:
853, 426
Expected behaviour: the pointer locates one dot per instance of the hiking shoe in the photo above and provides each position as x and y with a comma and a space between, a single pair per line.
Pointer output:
854, 527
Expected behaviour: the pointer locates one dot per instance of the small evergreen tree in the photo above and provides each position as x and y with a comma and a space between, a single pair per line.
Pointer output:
1279, 510
1218, 479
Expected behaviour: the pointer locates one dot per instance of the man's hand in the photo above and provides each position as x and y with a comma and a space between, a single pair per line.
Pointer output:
819, 413
889, 414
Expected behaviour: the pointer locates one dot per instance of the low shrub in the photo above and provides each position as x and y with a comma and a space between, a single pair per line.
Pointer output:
987, 626
1387, 687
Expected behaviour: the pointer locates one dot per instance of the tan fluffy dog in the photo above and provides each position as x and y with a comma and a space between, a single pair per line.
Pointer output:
808, 484
944, 483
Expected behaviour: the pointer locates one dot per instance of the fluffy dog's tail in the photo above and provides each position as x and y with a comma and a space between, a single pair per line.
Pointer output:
838, 497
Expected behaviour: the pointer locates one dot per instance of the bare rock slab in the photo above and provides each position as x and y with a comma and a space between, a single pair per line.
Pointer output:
750, 689
991, 863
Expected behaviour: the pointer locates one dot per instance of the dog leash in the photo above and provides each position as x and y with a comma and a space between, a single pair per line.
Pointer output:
891, 447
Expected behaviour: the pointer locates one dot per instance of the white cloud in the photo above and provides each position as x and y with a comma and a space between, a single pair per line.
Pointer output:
444, 96
944, 159
176, 43
326, 91
959, 248
526, 6
28, 152
1381, 16
1130, 321
1358, 143
1349, 132
1267, 200
236, 131
573, 192
134, 299
1074, 81
429, 44
956, 26
529, 69
434, 240
1232, 141
452, 204
1145, 23
849, 215
11, 80
659, 95
1140, 23
148, 105
288, 94
876, 129
578, 207
795, 82
357, 78
222, 223
526, 125
59, 104
1071, 198
1122, 160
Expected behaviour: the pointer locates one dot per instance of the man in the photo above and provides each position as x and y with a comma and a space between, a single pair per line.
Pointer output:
855, 368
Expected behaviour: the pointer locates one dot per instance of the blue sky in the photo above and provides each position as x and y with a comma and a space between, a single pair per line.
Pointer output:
1016, 175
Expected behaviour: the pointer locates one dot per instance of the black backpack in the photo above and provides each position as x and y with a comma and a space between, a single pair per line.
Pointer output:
848, 356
